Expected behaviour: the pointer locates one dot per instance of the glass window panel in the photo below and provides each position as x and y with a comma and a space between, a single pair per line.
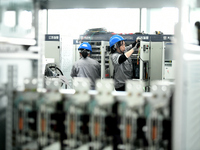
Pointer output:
76, 21
25, 19
10, 18
159, 19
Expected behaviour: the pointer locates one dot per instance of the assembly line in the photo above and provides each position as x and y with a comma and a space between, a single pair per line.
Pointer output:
103, 90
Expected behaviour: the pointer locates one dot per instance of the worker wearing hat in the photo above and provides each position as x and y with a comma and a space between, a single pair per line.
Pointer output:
86, 66
120, 56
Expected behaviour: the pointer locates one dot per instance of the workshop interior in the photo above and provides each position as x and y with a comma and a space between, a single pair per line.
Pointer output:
43, 108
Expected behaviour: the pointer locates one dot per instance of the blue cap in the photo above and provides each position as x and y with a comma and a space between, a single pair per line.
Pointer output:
85, 45
114, 39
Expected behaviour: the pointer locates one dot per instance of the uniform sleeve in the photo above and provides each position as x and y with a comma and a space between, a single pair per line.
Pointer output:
115, 58
99, 69
73, 72
127, 48
118, 58
122, 59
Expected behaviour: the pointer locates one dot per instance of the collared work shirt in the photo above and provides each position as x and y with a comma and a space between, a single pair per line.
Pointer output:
88, 68
122, 71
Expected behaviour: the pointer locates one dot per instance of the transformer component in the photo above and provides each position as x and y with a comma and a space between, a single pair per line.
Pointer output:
92, 119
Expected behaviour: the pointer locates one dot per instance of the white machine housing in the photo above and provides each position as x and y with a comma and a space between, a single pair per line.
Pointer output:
52, 49
59, 50
155, 62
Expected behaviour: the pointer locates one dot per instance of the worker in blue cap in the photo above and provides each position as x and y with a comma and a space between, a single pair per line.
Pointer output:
86, 66
120, 56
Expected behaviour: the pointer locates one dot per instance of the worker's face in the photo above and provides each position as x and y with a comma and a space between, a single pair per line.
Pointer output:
122, 47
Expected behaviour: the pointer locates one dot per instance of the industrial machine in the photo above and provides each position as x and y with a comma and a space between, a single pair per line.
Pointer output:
152, 62
35, 114
15, 67
85, 119
156, 61
170, 62
58, 59
52, 49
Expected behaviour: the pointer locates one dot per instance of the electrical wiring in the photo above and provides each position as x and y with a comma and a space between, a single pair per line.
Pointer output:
91, 35
140, 59
94, 33
83, 38
138, 56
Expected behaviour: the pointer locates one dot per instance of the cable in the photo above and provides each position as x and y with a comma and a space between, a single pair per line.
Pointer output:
91, 35
55, 69
83, 38
141, 58
94, 33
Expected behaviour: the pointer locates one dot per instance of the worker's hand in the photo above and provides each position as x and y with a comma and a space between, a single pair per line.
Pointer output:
133, 44
138, 39
137, 45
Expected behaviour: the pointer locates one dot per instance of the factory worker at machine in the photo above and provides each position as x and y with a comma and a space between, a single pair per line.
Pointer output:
86, 66
122, 62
